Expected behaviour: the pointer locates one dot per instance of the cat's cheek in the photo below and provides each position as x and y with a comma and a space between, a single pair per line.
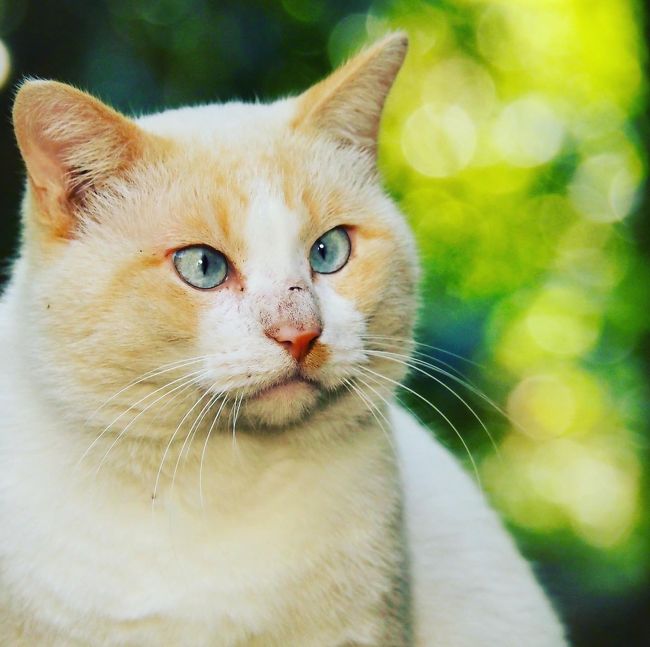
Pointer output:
376, 262
342, 338
220, 322
232, 346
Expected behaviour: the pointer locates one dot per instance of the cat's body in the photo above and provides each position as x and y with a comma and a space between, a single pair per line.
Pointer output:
312, 512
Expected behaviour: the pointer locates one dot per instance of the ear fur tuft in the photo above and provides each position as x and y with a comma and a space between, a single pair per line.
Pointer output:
71, 143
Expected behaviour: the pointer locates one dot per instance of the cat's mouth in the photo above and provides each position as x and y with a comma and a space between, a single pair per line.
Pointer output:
292, 386
284, 401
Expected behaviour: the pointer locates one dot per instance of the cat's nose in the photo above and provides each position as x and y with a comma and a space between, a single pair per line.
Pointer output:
298, 341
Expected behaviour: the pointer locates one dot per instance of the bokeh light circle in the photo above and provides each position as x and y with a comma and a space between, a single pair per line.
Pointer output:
528, 132
439, 141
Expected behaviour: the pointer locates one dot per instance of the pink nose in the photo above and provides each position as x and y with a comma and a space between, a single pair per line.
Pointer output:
297, 341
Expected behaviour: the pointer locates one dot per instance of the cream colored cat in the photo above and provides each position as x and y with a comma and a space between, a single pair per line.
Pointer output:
196, 445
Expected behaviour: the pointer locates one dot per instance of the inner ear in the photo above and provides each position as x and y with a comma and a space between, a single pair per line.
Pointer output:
72, 144
348, 104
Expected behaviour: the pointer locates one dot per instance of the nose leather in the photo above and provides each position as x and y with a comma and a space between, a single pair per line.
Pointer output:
298, 341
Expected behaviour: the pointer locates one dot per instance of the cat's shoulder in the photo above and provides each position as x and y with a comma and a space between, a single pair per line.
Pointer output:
425, 460
459, 550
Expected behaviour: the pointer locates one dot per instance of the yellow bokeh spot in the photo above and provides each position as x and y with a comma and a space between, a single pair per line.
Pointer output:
565, 401
602, 498
528, 132
561, 322
591, 486
439, 141
605, 187
462, 82
592, 267
542, 405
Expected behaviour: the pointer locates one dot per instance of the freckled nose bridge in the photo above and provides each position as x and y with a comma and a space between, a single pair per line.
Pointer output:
295, 322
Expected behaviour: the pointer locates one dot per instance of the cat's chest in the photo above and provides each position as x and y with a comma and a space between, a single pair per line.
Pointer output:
99, 553
115, 555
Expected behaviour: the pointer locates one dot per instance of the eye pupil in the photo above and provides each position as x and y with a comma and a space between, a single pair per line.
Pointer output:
201, 266
322, 250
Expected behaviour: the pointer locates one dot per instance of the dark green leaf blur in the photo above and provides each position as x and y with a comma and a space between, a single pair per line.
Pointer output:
514, 142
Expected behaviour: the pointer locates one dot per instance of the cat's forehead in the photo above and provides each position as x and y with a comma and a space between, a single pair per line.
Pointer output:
233, 122
244, 156
242, 167
241, 179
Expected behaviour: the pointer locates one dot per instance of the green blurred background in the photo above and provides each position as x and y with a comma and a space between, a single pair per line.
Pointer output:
514, 142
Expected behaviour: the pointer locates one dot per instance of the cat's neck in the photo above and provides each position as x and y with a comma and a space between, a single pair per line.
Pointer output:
221, 474
198, 471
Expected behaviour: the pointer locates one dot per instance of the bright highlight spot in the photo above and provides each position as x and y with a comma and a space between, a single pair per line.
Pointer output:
542, 406
563, 322
461, 82
5, 64
528, 132
604, 188
439, 142
593, 486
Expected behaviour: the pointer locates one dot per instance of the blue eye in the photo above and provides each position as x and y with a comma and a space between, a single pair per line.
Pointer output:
331, 251
201, 266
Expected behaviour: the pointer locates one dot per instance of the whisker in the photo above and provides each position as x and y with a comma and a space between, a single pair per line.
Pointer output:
436, 409
464, 383
193, 428
160, 370
235, 415
165, 405
205, 446
390, 347
410, 364
371, 407
167, 448
456, 375
124, 431
184, 379
404, 340
201, 416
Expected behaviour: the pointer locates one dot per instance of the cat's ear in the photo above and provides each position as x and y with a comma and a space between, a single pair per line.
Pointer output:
72, 143
348, 104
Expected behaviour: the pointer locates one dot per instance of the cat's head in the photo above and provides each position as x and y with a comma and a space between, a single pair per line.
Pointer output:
242, 249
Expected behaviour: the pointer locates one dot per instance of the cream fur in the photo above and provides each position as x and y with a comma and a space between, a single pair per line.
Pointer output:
298, 517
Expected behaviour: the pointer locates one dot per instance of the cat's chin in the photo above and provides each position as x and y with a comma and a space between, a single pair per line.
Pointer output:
283, 403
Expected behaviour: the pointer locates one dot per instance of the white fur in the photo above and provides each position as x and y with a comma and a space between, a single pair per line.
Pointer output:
283, 534
84, 556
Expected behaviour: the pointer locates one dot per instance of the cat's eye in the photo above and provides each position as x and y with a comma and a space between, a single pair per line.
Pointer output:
331, 251
201, 266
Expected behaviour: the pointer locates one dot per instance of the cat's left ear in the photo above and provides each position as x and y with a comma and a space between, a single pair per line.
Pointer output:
348, 104
71, 143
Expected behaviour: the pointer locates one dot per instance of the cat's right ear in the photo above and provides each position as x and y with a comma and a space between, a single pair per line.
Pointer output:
347, 105
71, 143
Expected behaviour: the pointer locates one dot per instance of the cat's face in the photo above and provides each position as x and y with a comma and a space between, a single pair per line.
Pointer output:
241, 250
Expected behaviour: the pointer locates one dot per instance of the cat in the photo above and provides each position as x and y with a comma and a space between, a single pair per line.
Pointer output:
198, 444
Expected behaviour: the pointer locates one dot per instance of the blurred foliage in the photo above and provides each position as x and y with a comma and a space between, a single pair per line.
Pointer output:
513, 142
